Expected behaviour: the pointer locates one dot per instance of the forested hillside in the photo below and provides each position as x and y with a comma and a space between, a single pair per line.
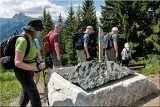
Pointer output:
138, 23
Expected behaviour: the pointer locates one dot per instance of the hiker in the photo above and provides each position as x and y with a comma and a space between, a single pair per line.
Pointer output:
39, 60
126, 55
26, 66
111, 45
83, 54
55, 45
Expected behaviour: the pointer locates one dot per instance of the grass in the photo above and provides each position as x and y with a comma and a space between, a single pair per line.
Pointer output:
152, 64
10, 87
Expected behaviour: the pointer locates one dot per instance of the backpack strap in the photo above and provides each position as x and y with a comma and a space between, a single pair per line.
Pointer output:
28, 45
109, 36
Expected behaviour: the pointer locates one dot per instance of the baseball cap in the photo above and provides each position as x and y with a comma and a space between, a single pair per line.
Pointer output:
115, 29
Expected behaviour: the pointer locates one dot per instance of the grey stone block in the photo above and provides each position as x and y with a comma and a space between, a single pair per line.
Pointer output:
121, 92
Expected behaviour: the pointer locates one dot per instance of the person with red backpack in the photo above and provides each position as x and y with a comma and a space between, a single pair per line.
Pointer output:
54, 45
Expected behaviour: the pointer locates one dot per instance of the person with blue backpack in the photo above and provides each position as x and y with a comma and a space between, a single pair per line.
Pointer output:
83, 53
26, 66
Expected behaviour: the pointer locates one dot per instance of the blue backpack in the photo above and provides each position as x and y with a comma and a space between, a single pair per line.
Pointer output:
78, 42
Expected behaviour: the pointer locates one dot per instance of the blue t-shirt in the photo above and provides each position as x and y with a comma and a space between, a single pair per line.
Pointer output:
86, 38
37, 44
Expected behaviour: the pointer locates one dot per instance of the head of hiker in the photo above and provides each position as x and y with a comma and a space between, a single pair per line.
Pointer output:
33, 27
58, 27
89, 29
115, 30
126, 45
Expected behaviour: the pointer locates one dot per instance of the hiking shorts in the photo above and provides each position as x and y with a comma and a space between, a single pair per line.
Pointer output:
111, 54
81, 55
56, 62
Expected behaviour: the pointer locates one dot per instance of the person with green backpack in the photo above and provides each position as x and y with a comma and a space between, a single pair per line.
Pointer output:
111, 45
26, 66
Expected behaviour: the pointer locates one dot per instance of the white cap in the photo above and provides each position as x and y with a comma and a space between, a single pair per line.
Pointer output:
115, 29
126, 45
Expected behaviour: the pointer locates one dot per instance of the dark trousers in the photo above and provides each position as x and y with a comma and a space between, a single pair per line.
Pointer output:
125, 62
29, 88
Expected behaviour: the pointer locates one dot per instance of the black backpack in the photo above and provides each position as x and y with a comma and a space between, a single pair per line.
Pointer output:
108, 42
78, 42
8, 51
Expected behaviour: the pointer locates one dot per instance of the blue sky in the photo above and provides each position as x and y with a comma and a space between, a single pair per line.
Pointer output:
34, 8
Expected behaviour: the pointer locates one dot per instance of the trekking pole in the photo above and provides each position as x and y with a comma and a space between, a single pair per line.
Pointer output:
46, 89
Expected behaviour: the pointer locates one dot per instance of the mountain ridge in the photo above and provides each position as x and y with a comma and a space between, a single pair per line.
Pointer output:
10, 25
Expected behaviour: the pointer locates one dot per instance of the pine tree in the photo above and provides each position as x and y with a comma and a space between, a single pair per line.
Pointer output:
89, 19
47, 23
78, 23
153, 40
60, 18
108, 18
48, 26
68, 30
135, 23
62, 41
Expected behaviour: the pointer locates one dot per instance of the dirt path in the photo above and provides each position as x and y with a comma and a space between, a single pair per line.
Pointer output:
40, 86
151, 100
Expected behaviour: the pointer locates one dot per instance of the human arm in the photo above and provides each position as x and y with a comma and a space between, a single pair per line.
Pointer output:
115, 44
20, 64
56, 40
38, 50
86, 50
57, 51
86, 40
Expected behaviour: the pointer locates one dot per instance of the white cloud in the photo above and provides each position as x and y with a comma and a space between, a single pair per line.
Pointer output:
98, 14
33, 8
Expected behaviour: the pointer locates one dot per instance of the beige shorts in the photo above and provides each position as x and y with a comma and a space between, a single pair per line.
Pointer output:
81, 55
111, 55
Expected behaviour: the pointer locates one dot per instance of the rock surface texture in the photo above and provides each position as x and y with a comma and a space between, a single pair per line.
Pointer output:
93, 86
93, 74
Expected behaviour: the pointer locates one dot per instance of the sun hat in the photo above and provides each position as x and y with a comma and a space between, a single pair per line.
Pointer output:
115, 29
126, 45
34, 24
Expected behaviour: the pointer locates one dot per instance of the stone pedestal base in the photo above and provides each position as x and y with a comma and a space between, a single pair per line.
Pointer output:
121, 92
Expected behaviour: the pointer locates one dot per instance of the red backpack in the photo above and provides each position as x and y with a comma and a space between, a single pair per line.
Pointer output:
46, 45
48, 42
